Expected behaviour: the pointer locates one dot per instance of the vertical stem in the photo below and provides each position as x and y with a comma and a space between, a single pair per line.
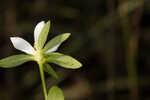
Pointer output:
130, 42
43, 79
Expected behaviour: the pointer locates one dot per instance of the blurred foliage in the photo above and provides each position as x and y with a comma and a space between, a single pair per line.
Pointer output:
110, 37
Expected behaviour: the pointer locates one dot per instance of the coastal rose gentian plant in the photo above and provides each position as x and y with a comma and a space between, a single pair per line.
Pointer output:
43, 54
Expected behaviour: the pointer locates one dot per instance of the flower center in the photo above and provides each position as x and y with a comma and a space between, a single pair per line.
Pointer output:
39, 56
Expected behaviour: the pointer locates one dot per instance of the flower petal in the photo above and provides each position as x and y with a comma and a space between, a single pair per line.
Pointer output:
53, 49
22, 45
37, 30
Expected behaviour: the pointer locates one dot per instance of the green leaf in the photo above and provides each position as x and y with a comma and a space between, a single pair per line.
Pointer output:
43, 35
49, 70
55, 93
15, 60
56, 41
63, 60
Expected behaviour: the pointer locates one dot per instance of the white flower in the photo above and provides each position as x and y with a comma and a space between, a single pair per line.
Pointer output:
23, 45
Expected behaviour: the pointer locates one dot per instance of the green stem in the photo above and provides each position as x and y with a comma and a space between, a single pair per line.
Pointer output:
43, 79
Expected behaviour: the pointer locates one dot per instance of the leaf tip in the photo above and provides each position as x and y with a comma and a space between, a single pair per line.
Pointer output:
79, 65
67, 35
48, 22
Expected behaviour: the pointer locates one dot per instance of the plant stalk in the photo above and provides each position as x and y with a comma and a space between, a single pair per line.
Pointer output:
43, 79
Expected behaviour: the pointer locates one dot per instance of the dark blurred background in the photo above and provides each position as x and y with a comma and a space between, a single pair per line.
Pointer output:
110, 37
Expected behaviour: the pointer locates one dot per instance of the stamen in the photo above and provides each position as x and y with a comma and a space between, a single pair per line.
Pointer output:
34, 46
